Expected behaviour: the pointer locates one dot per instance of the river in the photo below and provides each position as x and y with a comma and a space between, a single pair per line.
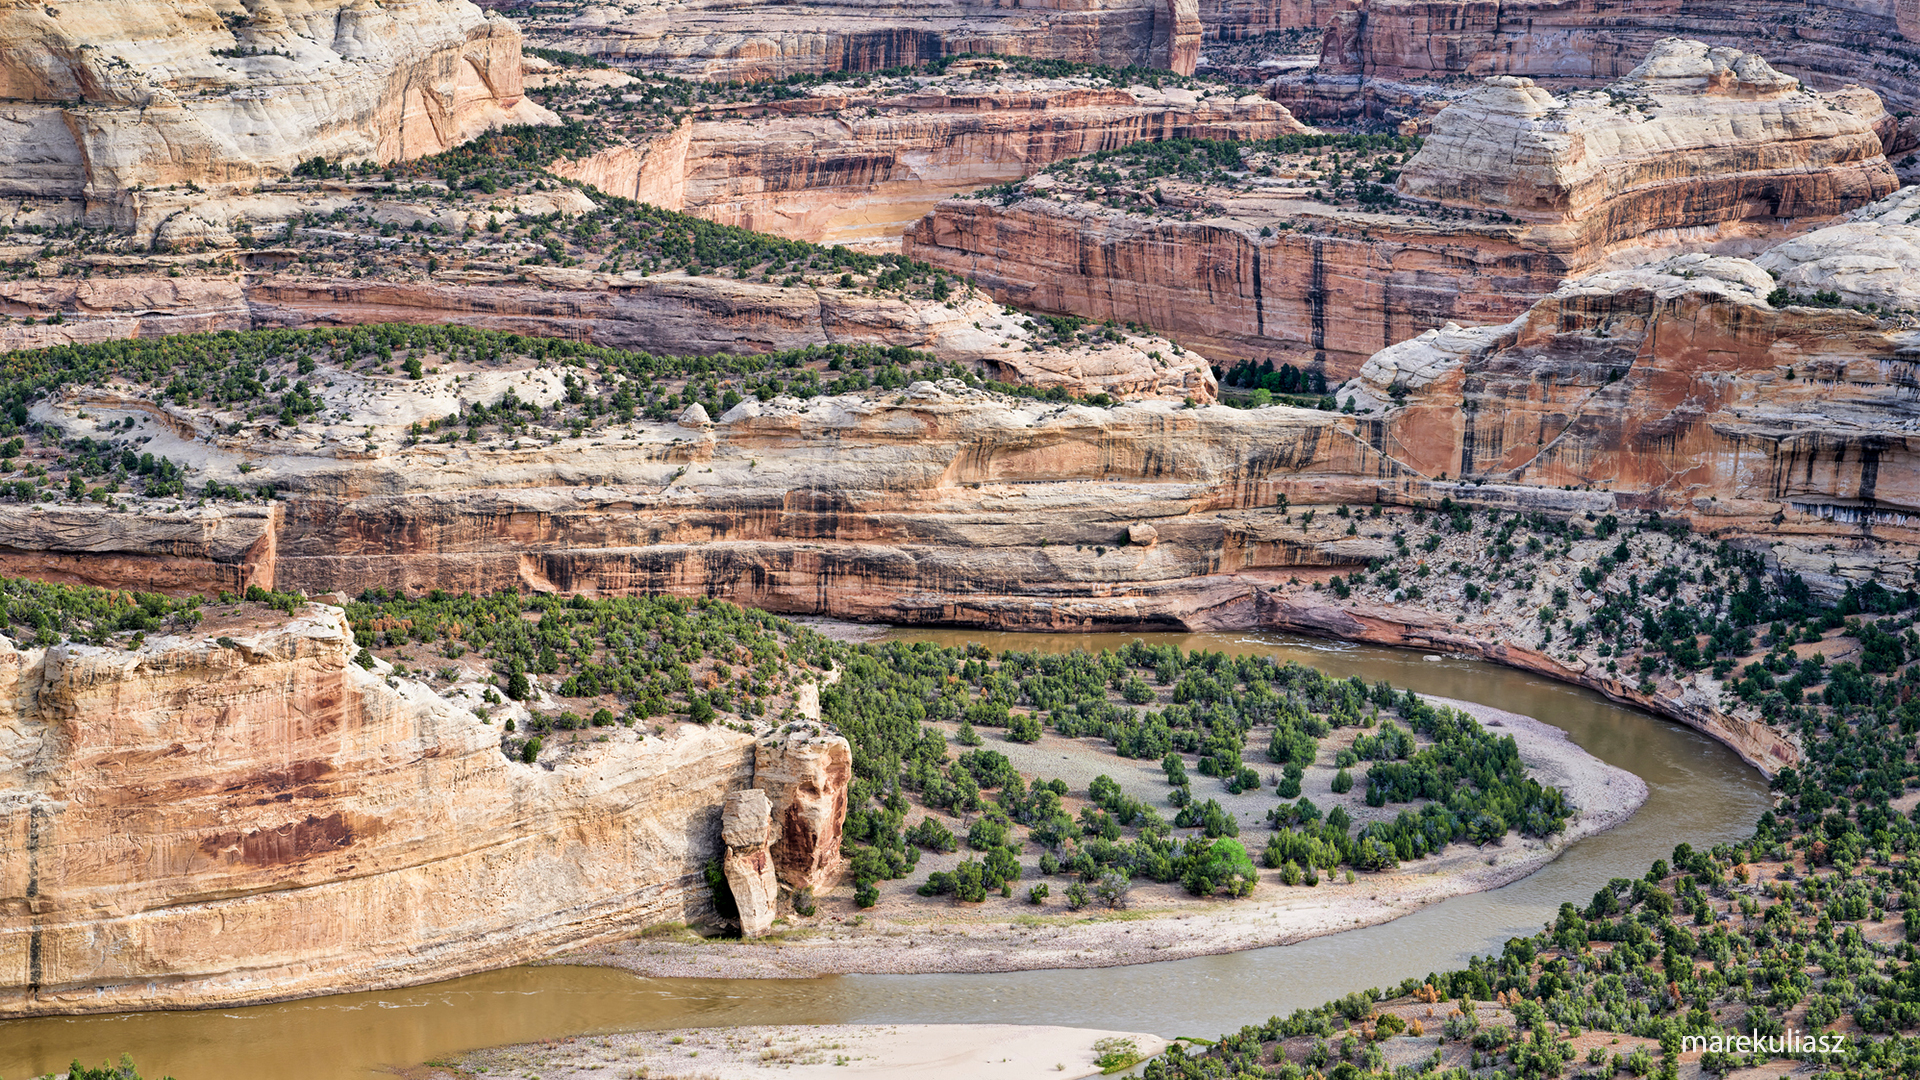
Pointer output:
1700, 792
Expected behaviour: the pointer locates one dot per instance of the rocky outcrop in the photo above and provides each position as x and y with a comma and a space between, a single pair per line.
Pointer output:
651, 172
1873, 258
721, 40
846, 165
108, 309
197, 823
1314, 295
1515, 190
745, 825
1692, 136
1689, 384
806, 779
113, 106
288, 854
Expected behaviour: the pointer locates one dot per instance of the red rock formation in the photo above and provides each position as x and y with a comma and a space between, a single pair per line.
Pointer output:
1679, 383
806, 779
1238, 20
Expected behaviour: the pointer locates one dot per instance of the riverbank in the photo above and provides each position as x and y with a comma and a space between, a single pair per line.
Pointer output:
874, 1052
908, 937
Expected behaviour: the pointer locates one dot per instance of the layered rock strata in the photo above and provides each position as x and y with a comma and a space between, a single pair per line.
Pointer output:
1239, 20
842, 166
1699, 147
111, 106
197, 823
719, 40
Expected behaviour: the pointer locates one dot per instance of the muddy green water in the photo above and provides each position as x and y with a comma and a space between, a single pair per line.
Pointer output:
1700, 793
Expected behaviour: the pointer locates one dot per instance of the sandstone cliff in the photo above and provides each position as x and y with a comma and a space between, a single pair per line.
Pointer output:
842, 165
1514, 191
720, 40
194, 823
111, 105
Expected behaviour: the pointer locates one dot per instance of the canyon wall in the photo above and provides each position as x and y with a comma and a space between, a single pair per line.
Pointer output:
1699, 147
196, 823
110, 103
668, 313
1688, 382
1830, 43
959, 508
722, 40
1695, 386
799, 172
1326, 298
1239, 20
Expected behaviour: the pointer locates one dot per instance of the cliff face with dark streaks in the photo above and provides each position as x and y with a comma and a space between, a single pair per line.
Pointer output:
714, 39
1239, 20
1313, 294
